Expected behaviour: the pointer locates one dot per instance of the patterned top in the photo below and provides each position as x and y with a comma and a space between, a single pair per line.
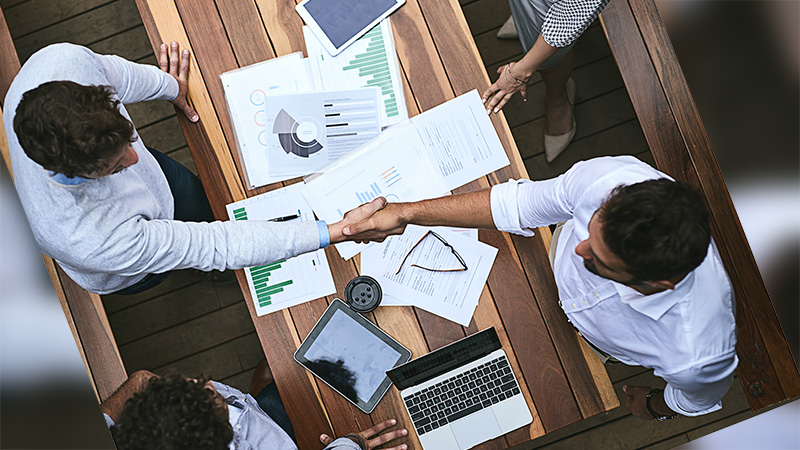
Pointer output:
567, 19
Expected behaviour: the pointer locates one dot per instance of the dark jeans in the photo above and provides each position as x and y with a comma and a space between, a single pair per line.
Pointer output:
191, 205
270, 402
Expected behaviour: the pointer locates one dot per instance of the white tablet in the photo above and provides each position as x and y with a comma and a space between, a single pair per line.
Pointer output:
337, 23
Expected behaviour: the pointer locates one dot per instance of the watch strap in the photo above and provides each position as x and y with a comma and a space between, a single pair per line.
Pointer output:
650, 407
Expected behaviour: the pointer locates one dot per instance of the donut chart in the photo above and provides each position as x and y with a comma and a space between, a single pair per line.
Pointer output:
298, 137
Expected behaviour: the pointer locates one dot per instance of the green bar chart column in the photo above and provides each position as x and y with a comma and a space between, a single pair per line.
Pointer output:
373, 66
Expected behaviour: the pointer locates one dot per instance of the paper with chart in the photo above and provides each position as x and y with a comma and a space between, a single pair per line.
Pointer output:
246, 91
460, 140
452, 295
310, 130
289, 282
390, 165
369, 61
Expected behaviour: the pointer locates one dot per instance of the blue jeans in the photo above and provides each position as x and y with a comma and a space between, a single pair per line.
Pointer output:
270, 402
191, 205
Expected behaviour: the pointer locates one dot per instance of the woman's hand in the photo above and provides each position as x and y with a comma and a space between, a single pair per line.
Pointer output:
508, 83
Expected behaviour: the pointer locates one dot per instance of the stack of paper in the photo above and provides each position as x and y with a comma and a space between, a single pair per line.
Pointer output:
289, 282
452, 295
291, 115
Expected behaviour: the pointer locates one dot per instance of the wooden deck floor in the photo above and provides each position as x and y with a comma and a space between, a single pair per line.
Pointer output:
195, 323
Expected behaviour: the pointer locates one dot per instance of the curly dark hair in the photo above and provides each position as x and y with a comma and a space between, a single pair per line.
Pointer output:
173, 413
659, 228
71, 129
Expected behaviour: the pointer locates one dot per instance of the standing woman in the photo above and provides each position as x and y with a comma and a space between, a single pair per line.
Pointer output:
548, 30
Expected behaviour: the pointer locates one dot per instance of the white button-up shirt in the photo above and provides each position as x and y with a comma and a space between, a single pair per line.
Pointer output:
687, 335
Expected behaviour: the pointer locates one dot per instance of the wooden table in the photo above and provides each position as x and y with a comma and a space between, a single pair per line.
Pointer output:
561, 380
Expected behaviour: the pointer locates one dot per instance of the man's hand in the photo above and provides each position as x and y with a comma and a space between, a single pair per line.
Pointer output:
379, 439
378, 226
170, 63
356, 215
635, 402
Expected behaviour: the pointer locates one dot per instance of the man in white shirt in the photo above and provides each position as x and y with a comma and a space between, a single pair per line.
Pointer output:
637, 272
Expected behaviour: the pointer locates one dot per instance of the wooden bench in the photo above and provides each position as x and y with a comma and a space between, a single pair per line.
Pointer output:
83, 310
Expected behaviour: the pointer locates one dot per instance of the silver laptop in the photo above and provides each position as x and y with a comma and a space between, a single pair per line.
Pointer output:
462, 394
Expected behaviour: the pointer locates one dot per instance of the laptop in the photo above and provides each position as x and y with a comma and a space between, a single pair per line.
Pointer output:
462, 394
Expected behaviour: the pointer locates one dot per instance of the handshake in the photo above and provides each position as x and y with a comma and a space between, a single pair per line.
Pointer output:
372, 221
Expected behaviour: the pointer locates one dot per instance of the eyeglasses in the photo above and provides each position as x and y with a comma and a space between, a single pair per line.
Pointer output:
441, 239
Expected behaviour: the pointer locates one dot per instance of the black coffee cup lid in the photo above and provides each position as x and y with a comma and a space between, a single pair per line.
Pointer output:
363, 294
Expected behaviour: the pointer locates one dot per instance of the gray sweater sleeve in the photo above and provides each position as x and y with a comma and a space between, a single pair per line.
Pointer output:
109, 233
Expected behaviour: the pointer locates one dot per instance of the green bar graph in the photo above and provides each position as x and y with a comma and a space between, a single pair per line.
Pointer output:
263, 289
373, 65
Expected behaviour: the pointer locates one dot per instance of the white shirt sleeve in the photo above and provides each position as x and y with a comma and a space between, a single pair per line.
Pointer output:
699, 389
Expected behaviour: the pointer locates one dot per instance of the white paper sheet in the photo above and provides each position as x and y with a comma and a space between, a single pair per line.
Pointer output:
246, 91
308, 131
452, 295
391, 165
460, 140
369, 61
288, 282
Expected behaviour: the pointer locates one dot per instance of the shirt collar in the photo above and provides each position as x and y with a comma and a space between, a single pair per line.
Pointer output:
60, 178
655, 305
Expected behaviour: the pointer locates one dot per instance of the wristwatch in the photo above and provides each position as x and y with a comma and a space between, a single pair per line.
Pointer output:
650, 408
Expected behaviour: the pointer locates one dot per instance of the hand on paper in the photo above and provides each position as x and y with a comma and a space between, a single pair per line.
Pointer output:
354, 216
169, 62
376, 227
378, 440
498, 94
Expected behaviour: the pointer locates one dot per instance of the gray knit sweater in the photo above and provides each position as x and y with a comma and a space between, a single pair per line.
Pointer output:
108, 233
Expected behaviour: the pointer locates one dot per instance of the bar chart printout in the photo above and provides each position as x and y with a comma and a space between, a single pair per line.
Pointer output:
369, 61
286, 282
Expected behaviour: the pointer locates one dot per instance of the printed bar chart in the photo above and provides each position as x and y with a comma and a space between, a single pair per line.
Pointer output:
239, 214
364, 197
373, 64
261, 276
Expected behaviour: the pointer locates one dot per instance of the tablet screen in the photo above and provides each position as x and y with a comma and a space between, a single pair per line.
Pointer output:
353, 360
340, 20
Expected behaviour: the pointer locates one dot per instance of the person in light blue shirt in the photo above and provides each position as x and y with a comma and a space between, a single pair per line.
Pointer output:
149, 412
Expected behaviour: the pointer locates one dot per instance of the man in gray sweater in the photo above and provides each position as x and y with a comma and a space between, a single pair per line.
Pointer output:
111, 211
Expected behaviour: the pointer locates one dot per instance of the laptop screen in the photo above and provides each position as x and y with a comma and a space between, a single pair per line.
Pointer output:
445, 359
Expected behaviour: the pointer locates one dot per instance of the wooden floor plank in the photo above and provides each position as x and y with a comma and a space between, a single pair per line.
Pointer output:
84, 29
176, 280
485, 15
164, 136
131, 44
34, 15
163, 312
197, 335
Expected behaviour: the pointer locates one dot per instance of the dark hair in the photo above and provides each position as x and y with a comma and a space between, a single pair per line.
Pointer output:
71, 129
659, 228
173, 413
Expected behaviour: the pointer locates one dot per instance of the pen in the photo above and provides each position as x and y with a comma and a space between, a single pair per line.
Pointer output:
284, 218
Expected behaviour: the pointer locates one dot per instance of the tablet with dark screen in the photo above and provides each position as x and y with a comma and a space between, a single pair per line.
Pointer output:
337, 23
351, 355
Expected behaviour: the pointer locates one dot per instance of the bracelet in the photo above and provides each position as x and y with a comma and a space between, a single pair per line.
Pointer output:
358, 439
652, 411
508, 69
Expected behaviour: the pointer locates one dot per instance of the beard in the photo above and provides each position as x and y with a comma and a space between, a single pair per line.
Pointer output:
591, 267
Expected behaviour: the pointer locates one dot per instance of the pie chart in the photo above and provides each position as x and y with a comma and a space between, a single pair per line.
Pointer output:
298, 137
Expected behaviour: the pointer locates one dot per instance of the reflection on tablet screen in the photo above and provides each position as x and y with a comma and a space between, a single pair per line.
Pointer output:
350, 358
342, 19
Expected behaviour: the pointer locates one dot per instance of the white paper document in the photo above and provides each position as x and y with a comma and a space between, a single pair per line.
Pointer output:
369, 61
289, 282
460, 140
308, 131
246, 91
452, 295
392, 165
425, 157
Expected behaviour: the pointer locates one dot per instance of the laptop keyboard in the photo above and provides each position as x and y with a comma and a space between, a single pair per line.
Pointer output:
462, 395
